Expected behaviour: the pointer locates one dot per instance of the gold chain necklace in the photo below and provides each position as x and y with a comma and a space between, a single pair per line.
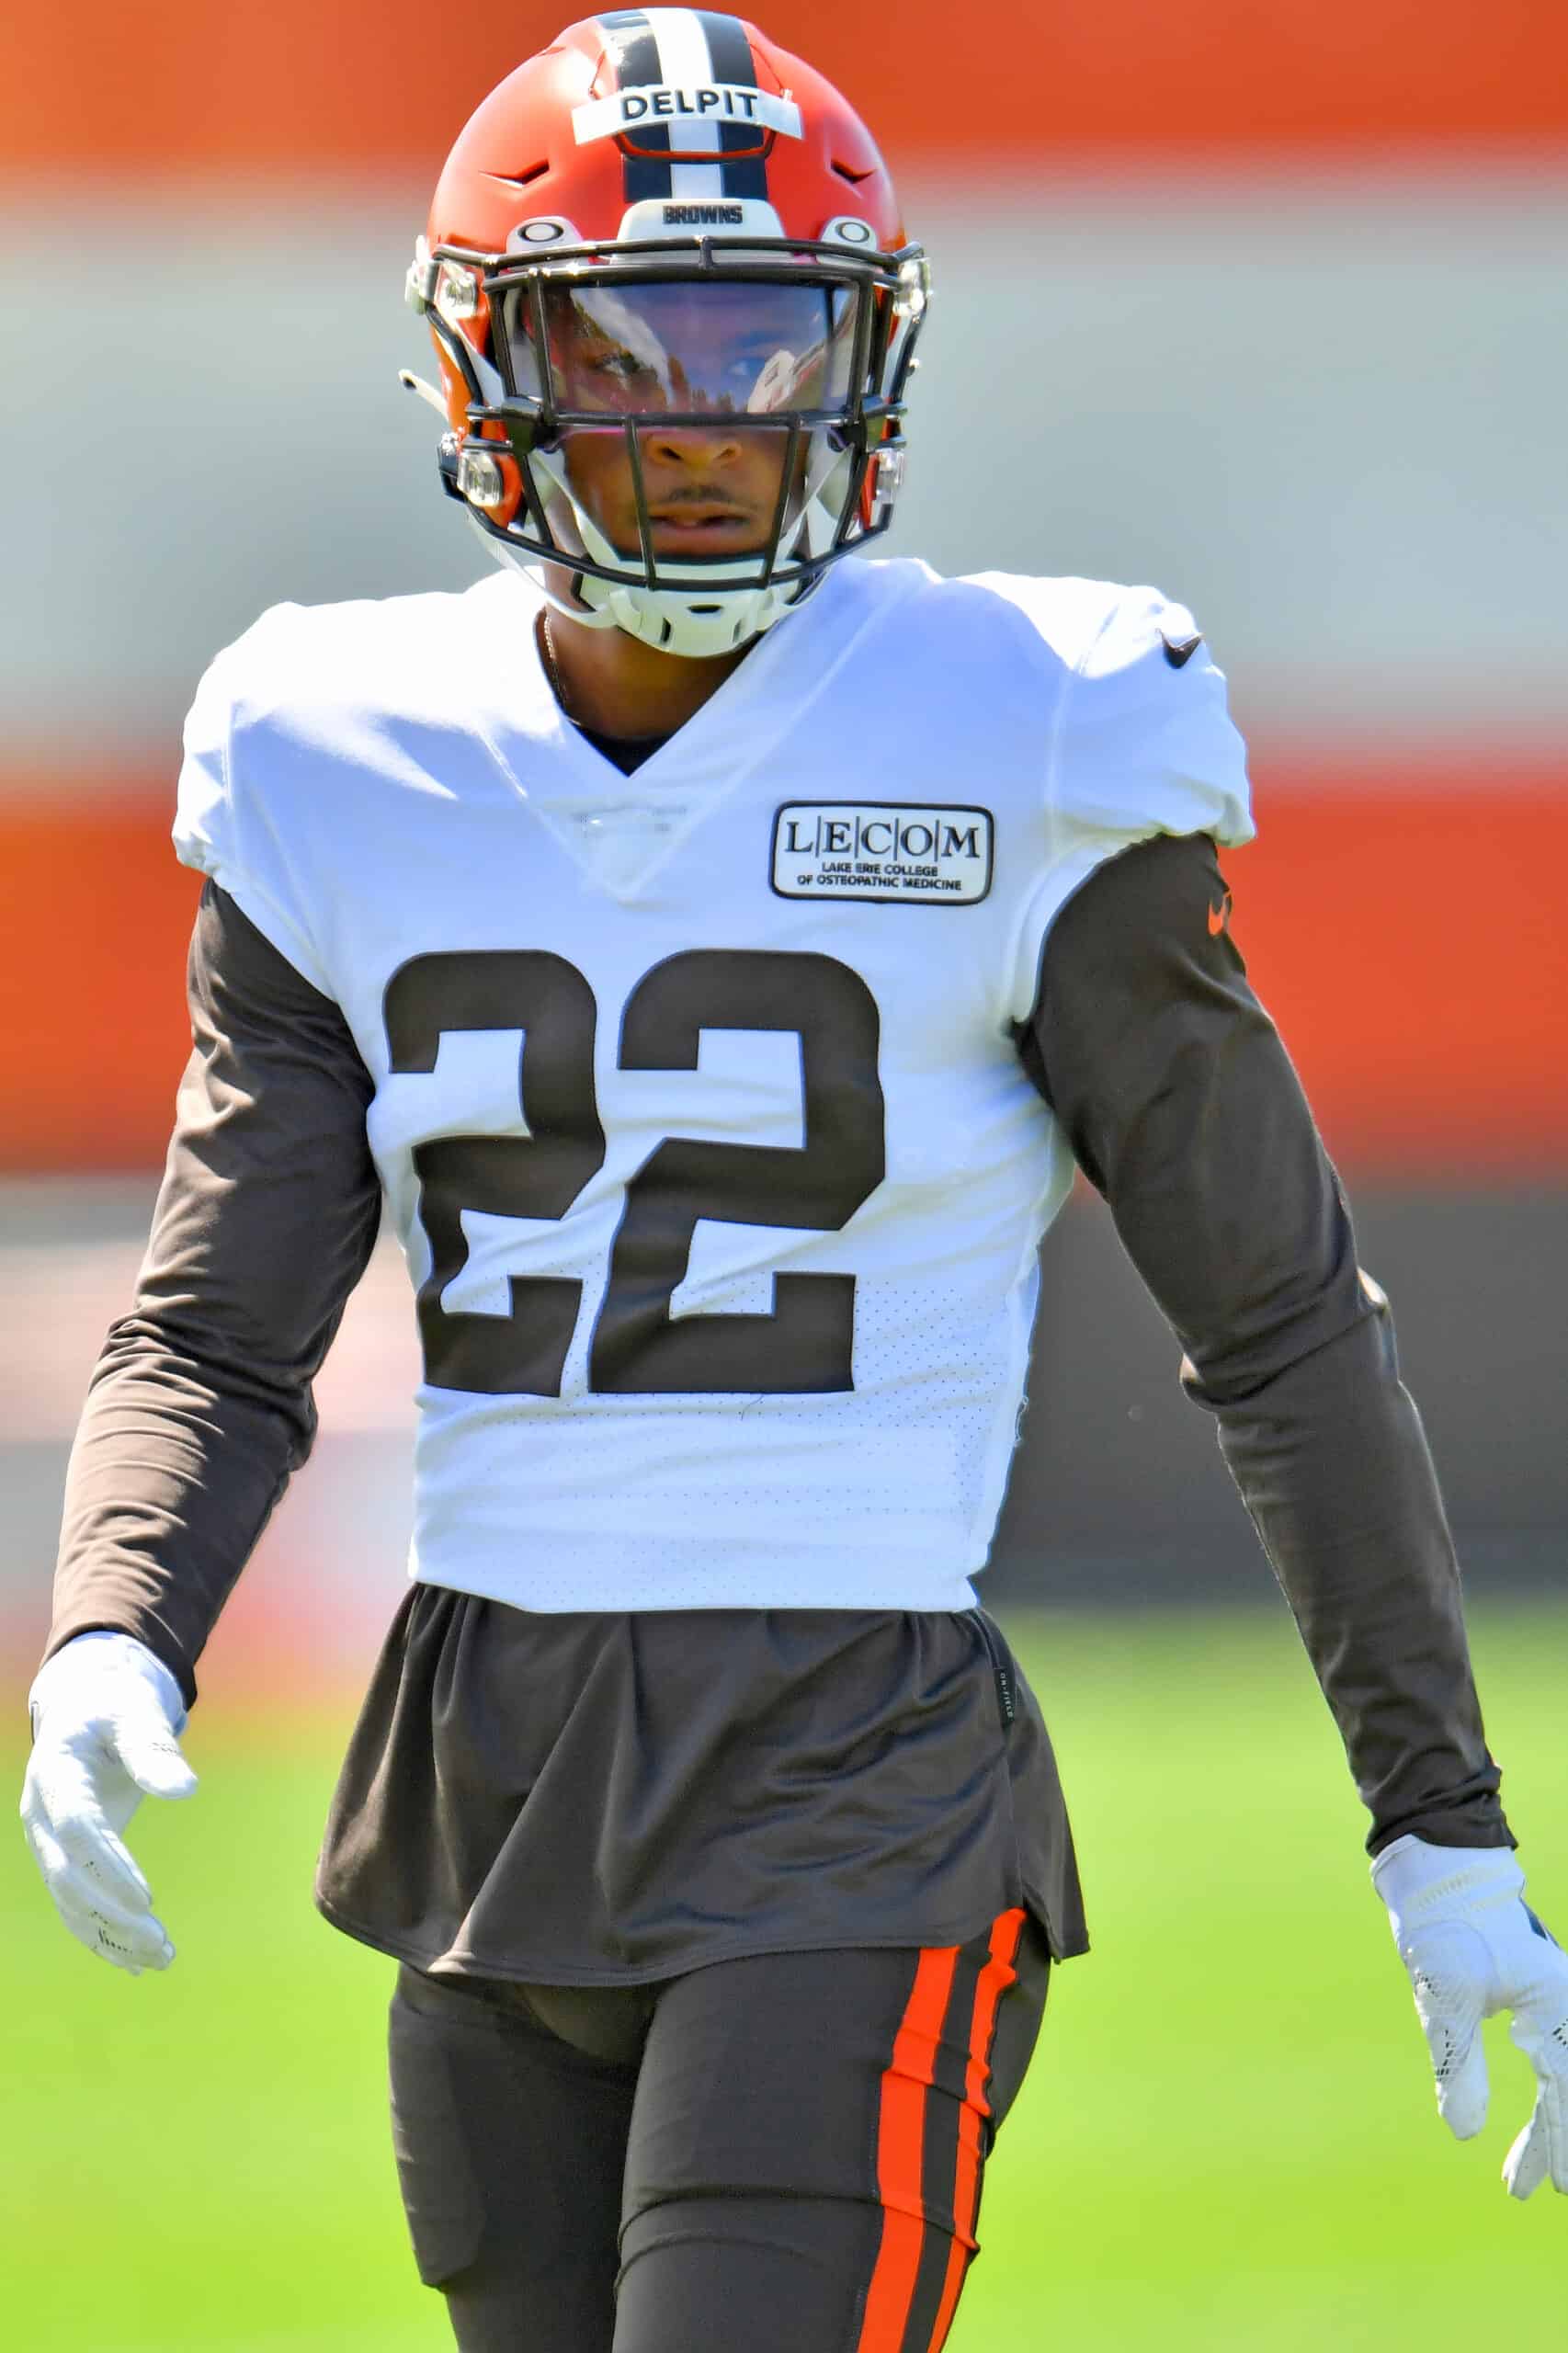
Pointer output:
551, 667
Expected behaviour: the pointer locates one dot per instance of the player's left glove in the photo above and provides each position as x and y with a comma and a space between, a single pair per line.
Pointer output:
1473, 1947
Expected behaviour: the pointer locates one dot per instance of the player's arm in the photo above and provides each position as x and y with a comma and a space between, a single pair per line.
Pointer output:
199, 1409
1184, 1110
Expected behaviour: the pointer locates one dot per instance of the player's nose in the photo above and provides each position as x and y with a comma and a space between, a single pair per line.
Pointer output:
692, 448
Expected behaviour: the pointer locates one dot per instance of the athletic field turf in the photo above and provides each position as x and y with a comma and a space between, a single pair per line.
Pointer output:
1228, 2142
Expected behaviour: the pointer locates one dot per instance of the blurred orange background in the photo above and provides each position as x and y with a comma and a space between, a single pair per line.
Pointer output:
1402, 906
380, 86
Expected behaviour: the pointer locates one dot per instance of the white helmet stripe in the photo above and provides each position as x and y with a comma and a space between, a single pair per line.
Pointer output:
685, 63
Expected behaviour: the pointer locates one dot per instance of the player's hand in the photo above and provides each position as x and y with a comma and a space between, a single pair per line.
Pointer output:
1473, 1947
107, 1716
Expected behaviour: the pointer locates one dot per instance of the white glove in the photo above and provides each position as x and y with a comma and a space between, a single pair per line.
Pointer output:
1473, 1947
106, 1718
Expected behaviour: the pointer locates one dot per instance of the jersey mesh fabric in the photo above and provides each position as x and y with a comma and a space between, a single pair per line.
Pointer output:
392, 795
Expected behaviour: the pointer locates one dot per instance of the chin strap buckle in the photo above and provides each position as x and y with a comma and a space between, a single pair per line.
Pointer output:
447, 454
891, 463
914, 289
419, 286
480, 479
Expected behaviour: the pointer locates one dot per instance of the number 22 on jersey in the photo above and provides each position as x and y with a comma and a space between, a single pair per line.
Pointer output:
638, 1346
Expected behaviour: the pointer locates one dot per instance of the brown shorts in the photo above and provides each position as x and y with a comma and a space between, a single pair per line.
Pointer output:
778, 2153
613, 1799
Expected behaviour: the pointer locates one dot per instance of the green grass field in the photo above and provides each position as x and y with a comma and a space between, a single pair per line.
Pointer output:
1228, 2141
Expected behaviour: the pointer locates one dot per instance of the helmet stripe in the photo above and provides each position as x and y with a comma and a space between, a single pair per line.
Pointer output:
636, 54
730, 52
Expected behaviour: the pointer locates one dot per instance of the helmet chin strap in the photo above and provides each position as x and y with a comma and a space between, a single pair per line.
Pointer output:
696, 623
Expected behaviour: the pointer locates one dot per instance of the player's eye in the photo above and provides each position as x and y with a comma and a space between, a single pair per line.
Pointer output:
620, 367
611, 376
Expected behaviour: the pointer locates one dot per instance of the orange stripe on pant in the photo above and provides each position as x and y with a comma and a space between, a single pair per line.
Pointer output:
901, 2135
901, 2138
995, 1979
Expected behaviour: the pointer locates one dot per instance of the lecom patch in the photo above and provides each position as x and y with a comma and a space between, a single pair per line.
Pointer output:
898, 852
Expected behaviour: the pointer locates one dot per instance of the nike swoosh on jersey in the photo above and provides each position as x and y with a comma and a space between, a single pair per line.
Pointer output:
1180, 649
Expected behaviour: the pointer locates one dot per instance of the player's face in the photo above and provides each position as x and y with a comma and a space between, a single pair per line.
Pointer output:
727, 352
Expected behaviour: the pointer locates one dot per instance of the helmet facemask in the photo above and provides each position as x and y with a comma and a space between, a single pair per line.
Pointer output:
746, 400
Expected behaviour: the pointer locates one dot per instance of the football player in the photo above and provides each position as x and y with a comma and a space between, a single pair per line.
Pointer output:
719, 953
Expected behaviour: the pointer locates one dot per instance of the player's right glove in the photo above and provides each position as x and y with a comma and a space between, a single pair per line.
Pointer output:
107, 1716
1473, 1947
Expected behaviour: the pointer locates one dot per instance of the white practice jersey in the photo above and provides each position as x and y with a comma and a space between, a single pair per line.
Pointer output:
697, 1099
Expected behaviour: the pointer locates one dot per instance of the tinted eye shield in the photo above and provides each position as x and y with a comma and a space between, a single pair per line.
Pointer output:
718, 351
685, 344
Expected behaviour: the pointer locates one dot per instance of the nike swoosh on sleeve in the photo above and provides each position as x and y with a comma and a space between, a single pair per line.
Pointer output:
1181, 649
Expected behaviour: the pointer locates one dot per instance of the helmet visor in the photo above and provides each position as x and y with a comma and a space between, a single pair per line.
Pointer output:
692, 348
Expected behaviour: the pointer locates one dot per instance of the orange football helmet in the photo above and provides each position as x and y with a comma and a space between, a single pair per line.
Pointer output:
663, 223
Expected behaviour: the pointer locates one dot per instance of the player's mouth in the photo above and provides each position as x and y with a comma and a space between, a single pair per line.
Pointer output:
692, 525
